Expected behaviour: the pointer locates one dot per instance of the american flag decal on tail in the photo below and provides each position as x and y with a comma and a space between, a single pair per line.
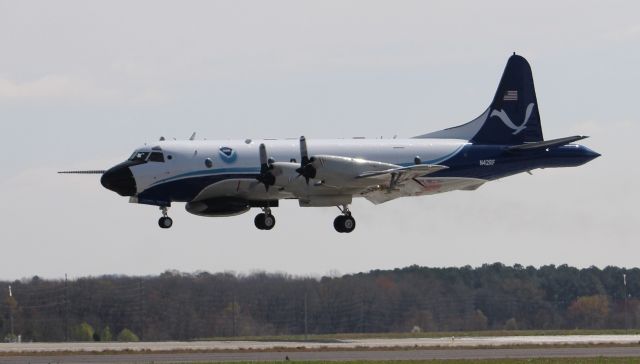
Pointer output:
511, 95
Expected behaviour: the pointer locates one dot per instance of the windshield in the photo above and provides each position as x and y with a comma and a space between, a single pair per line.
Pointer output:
139, 156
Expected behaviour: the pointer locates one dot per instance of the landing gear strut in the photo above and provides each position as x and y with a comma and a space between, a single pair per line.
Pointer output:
165, 221
344, 223
265, 220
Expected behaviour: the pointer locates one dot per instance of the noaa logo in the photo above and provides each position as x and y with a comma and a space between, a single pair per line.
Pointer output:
507, 121
228, 155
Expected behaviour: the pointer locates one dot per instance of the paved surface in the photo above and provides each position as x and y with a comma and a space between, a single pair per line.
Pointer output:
406, 349
496, 341
332, 355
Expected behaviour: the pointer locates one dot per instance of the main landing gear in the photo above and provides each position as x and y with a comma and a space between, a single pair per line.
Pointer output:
165, 221
344, 223
265, 220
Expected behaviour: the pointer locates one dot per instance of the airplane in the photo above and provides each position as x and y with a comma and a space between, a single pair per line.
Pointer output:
229, 177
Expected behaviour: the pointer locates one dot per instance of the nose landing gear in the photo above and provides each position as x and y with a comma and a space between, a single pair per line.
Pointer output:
265, 220
165, 221
344, 223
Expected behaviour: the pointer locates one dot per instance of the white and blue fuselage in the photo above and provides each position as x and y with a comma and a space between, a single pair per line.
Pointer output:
228, 177
190, 166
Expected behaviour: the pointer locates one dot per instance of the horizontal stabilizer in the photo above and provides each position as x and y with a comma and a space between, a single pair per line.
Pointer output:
547, 143
414, 171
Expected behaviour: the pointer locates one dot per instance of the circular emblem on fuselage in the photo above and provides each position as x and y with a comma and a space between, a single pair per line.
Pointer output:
228, 155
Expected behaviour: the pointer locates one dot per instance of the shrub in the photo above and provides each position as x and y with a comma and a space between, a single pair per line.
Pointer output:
127, 336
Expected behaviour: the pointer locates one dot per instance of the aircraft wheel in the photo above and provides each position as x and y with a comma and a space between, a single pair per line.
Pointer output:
264, 221
165, 222
259, 221
348, 224
344, 224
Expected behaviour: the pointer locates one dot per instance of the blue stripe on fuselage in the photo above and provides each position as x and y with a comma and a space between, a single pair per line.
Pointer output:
487, 162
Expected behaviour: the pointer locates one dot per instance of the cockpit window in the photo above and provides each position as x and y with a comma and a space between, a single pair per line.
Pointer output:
139, 156
156, 157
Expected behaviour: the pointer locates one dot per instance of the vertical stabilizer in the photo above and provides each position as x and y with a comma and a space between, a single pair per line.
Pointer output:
513, 116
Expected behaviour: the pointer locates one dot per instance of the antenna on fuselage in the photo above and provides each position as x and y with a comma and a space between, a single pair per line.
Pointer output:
193, 136
161, 138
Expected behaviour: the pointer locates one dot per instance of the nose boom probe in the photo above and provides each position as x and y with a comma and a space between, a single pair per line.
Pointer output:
83, 172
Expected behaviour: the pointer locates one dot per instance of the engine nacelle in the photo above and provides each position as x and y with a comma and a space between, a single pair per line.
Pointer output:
337, 170
285, 172
218, 207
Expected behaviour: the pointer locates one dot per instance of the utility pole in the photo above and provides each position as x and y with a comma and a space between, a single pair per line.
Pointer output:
306, 332
233, 316
362, 316
66, 308
11, 313
141, 305
626, 316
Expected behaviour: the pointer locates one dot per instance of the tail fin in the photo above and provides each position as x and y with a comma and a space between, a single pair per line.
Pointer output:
513, 116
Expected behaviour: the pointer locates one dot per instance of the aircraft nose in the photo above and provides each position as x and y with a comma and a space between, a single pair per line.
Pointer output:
119, 179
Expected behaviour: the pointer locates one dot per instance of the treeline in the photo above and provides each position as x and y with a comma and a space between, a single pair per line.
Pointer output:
181, 306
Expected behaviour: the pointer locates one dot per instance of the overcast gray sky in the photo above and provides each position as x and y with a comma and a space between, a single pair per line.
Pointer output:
84, 83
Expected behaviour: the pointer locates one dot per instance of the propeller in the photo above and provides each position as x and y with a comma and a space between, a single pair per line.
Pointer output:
307, 170
265, 177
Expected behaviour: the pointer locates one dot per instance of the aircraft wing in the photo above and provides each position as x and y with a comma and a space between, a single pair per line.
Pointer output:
404, 173
422, 186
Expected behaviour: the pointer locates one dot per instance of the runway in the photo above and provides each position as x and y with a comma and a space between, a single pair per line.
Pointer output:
356, 349
414, 343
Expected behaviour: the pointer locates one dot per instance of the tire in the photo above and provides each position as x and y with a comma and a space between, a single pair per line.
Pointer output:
165, 222
259, 221
338, 223
268, 222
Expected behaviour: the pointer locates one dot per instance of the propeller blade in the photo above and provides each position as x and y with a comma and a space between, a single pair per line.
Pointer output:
264, 162
307, 170
304, 154
265, 177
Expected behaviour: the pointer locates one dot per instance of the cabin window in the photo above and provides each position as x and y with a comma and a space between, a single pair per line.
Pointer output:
156, 157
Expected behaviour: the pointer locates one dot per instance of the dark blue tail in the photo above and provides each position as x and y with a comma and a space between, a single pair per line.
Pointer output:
512, 118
